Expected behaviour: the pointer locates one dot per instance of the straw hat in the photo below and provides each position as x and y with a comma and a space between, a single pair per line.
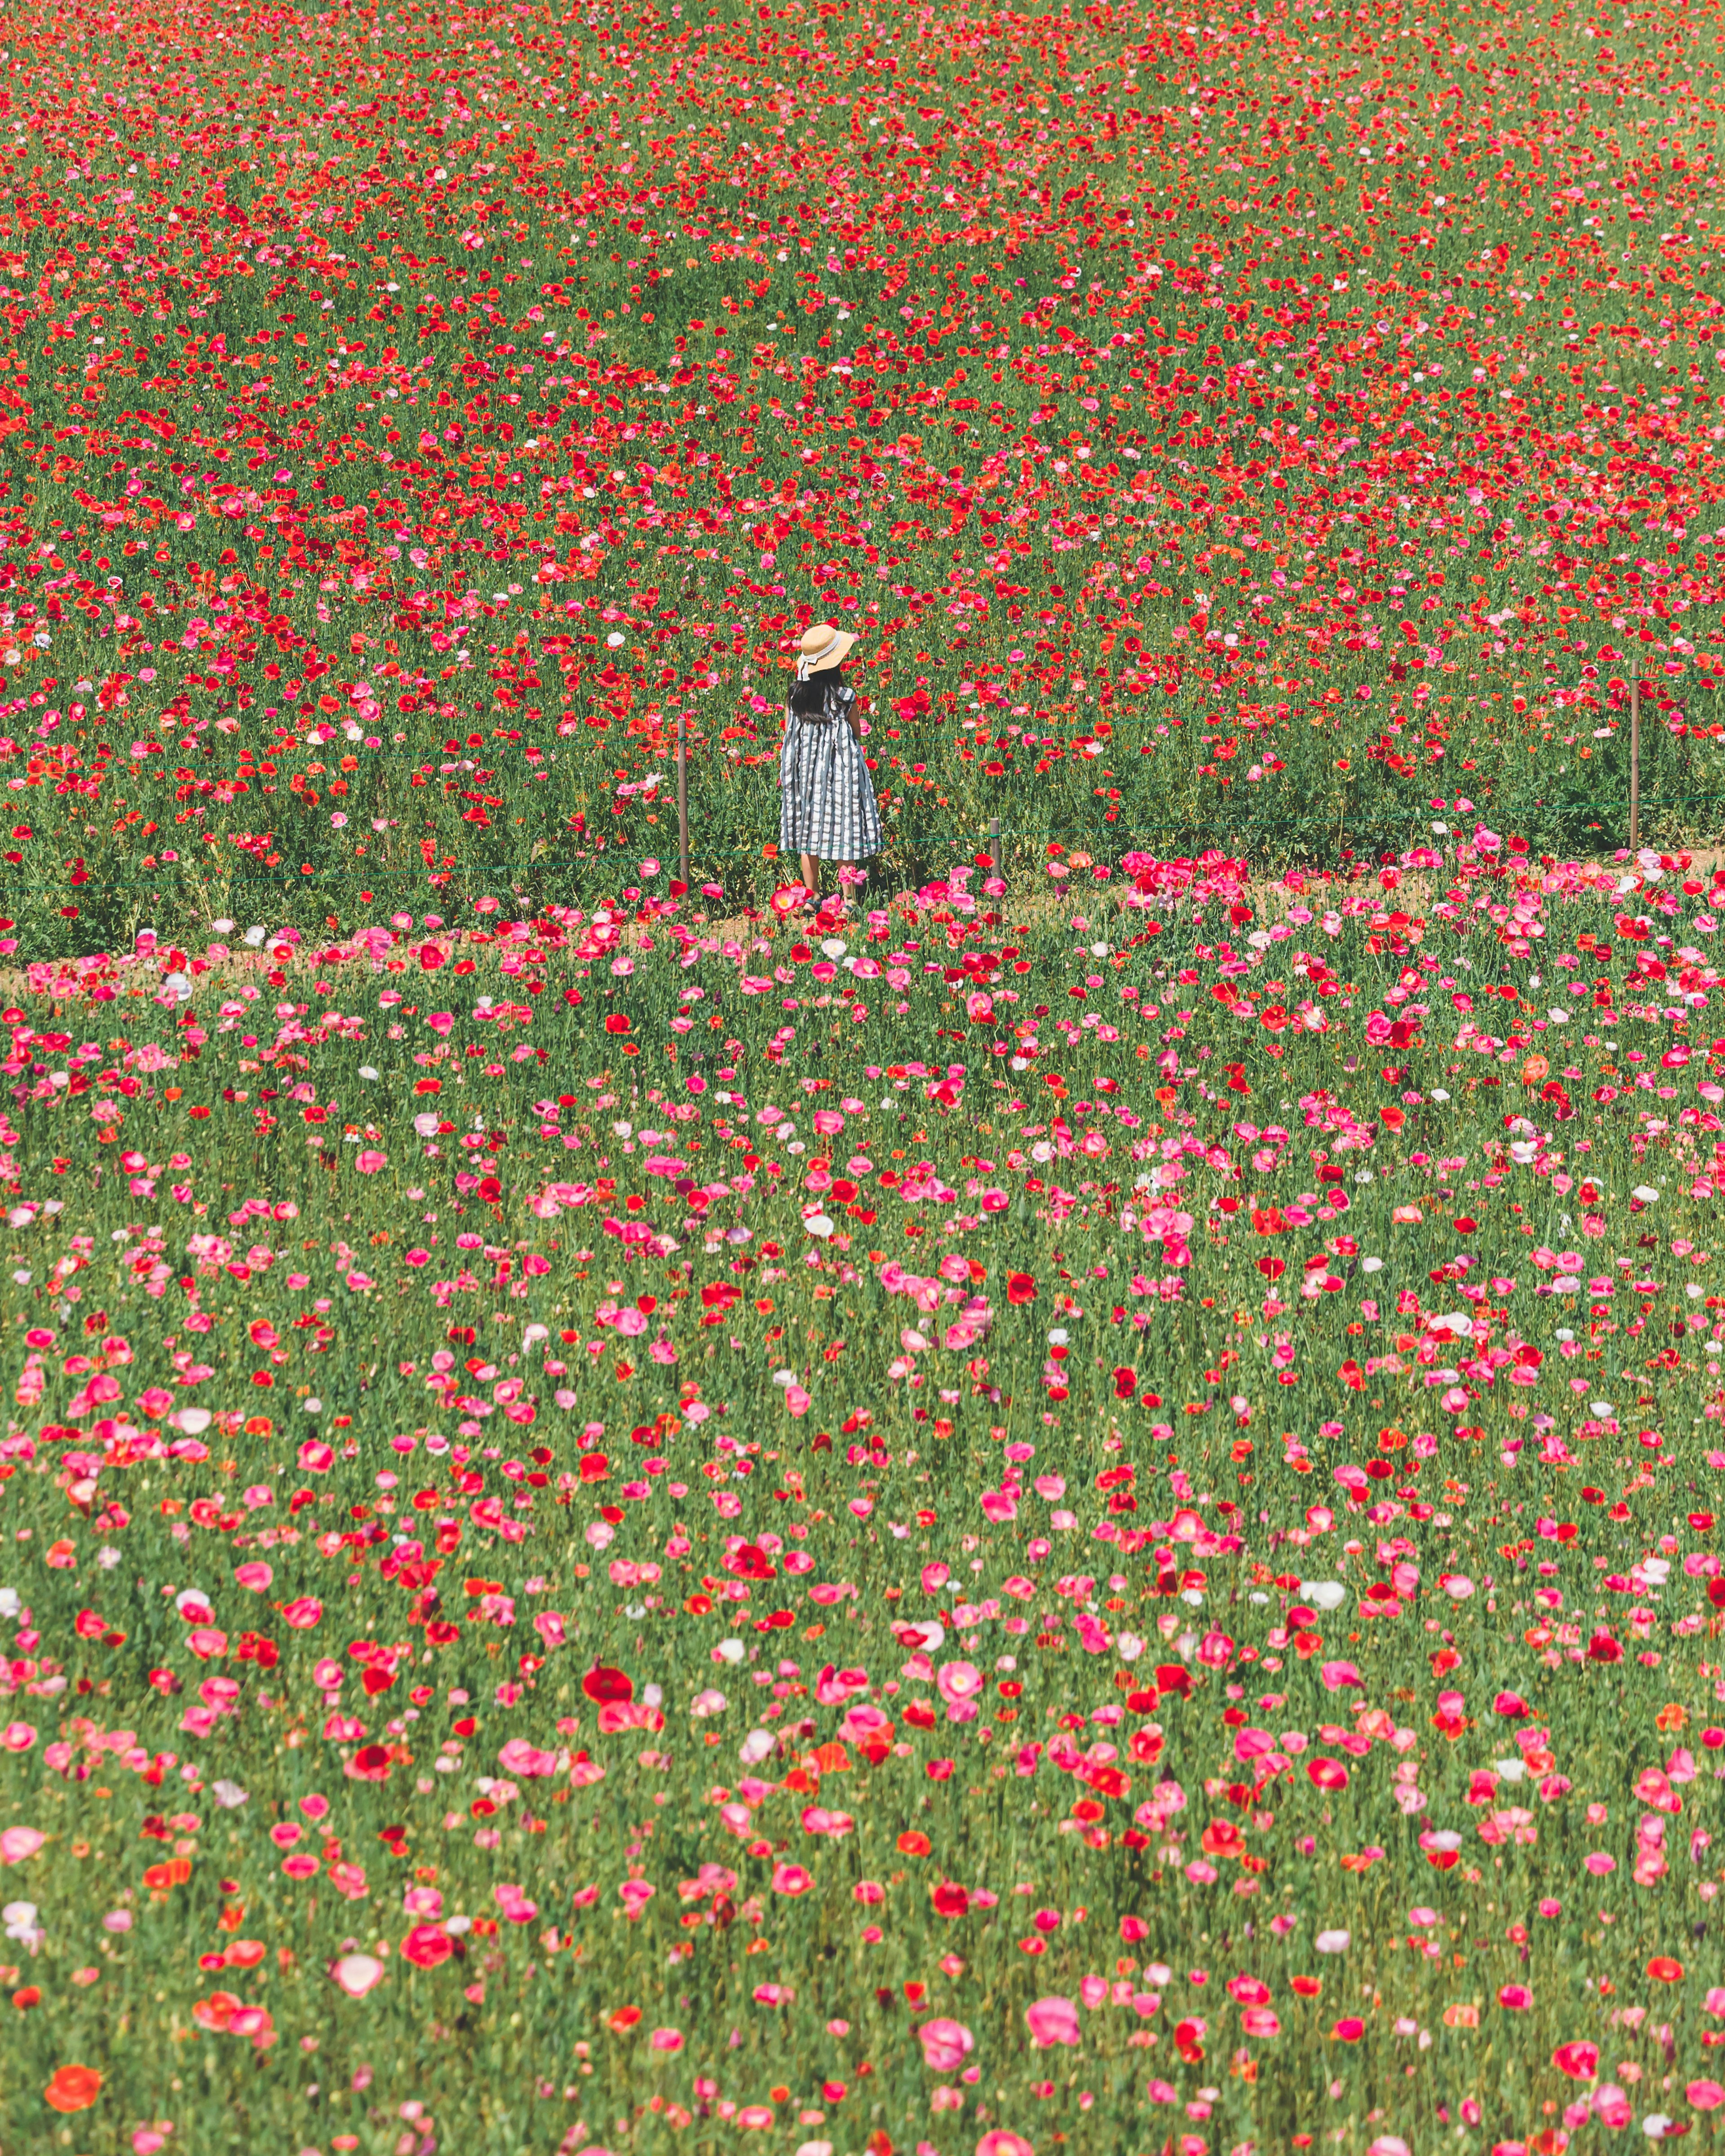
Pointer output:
821, 647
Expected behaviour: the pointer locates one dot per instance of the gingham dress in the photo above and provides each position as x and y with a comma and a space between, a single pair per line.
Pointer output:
827, 806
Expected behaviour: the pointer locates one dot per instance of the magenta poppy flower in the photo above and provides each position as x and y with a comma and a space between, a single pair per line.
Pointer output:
427, 1946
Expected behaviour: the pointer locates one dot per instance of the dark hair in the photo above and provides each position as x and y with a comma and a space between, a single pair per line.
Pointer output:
809, 699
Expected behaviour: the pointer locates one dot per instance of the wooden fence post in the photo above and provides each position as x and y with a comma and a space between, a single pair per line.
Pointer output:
683, 793
1634, 763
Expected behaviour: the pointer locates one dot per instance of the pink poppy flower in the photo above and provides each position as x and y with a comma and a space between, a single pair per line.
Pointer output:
946, 2044
791, 1879
834, 1686
1052, 2021
519, 1757
358, 1973
959, 1682
1611, 2107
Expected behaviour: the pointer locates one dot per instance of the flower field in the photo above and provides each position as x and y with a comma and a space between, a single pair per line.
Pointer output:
622, 1533
1081, 1510
1238, 432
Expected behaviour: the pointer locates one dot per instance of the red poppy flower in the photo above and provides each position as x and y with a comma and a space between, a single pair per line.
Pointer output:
1020, 1288
619, 1022
750, 1563
370, 1763
606, 1686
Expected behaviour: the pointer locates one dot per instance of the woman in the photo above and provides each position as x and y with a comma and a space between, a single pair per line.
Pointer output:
827, 810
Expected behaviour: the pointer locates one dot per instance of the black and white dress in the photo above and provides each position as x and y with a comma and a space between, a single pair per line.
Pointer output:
827, 807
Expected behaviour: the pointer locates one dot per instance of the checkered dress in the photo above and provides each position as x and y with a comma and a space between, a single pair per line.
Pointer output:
827, 807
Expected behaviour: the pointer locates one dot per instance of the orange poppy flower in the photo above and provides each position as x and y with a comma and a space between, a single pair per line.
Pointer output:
73, 2088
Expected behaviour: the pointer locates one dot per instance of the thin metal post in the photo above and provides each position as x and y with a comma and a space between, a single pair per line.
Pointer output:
994, 842
1634, 763
683, 793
